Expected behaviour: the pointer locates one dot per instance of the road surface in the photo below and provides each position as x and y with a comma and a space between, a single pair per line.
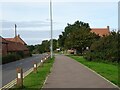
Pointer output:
9, 70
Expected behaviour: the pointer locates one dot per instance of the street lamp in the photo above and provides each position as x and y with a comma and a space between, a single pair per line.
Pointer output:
51, 46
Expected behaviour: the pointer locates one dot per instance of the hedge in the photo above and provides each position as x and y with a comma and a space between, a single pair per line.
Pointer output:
10, 58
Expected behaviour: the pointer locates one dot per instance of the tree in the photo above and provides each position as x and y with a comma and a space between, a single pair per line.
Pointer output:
54, 44
46, 45
61, 41
31, 48
77, 36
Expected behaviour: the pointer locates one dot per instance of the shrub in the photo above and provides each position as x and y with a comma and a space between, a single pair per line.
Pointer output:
10, 58
105, 49
21, 53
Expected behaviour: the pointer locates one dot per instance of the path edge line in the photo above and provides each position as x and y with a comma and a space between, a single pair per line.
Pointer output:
96, 73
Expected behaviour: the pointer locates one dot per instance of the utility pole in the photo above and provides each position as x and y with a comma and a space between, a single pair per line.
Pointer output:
51, 46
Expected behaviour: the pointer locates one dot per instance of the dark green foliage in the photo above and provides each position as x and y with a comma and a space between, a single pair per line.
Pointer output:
107, 49
77, 36
21, 53
43, 47
54, 44
31, 48
10, 58
30, 54
46, 46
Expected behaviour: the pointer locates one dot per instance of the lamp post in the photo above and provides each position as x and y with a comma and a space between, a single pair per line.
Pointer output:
51, 46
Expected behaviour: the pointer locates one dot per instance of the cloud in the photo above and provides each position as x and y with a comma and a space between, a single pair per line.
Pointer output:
32, 29
25, 24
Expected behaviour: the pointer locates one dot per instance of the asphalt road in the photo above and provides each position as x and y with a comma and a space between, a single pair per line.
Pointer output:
9, 70
68, 73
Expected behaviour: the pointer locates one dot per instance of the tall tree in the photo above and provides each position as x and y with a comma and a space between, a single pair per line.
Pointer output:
77, 36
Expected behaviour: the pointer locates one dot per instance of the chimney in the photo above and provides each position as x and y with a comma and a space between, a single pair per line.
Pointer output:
108, 28
18, 35
15, 30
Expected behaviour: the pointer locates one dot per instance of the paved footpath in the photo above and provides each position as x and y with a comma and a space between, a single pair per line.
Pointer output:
68, 73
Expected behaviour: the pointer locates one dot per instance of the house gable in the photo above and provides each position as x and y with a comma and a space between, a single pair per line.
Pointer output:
18, 39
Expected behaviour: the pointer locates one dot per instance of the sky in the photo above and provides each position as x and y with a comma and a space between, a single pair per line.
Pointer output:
33, 19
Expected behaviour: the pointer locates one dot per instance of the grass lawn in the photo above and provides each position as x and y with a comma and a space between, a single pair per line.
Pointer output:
109, 71
36, 80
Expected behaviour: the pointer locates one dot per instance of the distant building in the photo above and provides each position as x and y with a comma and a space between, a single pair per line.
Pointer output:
71, 51
13, 45
101, 31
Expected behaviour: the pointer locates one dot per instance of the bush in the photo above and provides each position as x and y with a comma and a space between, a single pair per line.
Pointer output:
21, 53
10, 58
105, 49
30, 54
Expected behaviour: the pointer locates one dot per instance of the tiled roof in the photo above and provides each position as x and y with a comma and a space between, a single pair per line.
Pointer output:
9, 39
100, 31
13, 46
2, 40
16, 39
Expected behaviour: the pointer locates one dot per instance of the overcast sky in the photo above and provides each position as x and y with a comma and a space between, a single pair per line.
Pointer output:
33, 23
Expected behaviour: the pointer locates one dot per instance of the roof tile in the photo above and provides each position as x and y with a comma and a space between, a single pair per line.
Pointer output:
100, 31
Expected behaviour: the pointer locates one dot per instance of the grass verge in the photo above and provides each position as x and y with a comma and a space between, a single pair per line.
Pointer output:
35, 81
109, 71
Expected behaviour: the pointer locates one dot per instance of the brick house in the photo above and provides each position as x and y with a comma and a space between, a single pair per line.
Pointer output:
101, 31
3, 45
13, 45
